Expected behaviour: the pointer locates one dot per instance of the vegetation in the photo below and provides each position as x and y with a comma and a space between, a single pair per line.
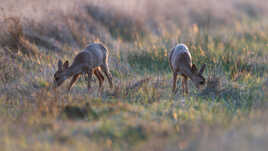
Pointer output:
140, 113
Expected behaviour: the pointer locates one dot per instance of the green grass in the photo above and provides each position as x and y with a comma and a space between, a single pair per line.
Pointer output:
140, 113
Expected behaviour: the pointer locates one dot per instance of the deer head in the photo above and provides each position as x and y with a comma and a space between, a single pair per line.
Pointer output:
197, 77
60, 74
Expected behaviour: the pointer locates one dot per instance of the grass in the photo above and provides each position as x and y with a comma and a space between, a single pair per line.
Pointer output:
140, 113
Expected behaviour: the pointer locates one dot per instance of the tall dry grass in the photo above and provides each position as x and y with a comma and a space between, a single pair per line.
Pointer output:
229, 113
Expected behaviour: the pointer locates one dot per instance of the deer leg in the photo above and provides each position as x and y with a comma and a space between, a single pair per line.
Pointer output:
75, 77
105, 69
174, 81
183, 85
89, 73
100, 78
186, 85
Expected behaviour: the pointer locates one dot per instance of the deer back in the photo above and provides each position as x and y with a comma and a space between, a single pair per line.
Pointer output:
93, 55
180, 59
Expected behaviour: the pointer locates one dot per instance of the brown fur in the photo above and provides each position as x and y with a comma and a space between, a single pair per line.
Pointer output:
92, 60
180, 62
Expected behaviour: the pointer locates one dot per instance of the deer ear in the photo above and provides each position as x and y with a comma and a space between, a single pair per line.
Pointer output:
60, 65
202, 69
194, 69
65, 65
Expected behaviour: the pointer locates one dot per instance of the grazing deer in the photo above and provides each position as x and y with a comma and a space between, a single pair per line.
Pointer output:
180, 62
91, 60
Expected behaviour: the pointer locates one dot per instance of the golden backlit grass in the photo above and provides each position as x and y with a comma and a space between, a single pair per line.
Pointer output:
140, 113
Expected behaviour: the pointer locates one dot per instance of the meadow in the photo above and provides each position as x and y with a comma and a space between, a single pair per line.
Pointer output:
140, 112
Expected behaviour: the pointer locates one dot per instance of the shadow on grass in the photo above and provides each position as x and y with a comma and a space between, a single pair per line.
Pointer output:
77, 113
128, 135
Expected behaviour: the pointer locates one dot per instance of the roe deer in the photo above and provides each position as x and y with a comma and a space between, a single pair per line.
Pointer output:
180, 62
91, 60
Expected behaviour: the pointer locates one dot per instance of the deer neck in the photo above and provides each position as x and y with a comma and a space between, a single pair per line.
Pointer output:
73, 70
189, 73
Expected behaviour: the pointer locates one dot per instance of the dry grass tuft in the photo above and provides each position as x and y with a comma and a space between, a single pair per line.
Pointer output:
9, 71
140, 113
13, 37
135, 86
213, 86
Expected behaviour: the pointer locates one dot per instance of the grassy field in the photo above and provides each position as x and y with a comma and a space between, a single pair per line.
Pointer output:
140, 113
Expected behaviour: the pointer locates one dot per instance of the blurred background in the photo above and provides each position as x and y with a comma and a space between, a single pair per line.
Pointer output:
62, 21
229, 113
